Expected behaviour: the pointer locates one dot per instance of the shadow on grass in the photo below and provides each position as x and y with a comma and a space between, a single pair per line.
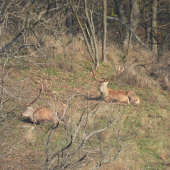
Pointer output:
100, 99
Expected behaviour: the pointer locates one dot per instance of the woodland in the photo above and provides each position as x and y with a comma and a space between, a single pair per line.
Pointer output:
52, 55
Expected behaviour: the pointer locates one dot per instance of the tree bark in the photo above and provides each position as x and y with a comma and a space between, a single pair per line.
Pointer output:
147, 37
121, 15
154, 27
135, 14
92, 30
120, 11
68, 18
1, 21
104, 31
90, 23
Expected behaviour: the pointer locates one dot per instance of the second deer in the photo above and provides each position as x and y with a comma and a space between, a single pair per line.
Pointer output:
44, 115
122, 96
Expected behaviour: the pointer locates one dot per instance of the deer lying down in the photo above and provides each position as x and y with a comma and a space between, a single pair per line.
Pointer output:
108, 95
42, 115
124, 97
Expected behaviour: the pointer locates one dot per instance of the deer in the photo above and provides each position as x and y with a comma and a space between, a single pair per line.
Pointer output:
118, 96
44, 115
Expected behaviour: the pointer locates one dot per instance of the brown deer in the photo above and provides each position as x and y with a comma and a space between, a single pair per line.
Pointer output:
43, 115
122, 96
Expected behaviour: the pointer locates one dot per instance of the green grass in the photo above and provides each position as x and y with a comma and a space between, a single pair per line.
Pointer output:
51, 72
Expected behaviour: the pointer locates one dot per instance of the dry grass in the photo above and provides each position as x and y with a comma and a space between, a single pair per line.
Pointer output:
148, 123
29, 136
118, 165
137, 67
142, 69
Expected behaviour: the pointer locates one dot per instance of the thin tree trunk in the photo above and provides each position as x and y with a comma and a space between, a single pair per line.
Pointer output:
104, 31
154, 26
121, 15
91, 25
2, 21
89, 48
99, 25
135, 15
147, 27
120, 11
68, 18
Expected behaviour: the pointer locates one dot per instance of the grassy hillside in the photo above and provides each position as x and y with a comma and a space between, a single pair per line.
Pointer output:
140, 133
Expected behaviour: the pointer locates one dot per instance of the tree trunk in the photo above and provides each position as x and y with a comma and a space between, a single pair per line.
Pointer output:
68, 18
92, 30
147, 37
2, 21
135, 14
91, 33
120, 11
154, 27
121, 15
104, 31
99, 25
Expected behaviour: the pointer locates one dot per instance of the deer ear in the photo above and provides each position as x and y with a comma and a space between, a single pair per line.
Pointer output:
107, 82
